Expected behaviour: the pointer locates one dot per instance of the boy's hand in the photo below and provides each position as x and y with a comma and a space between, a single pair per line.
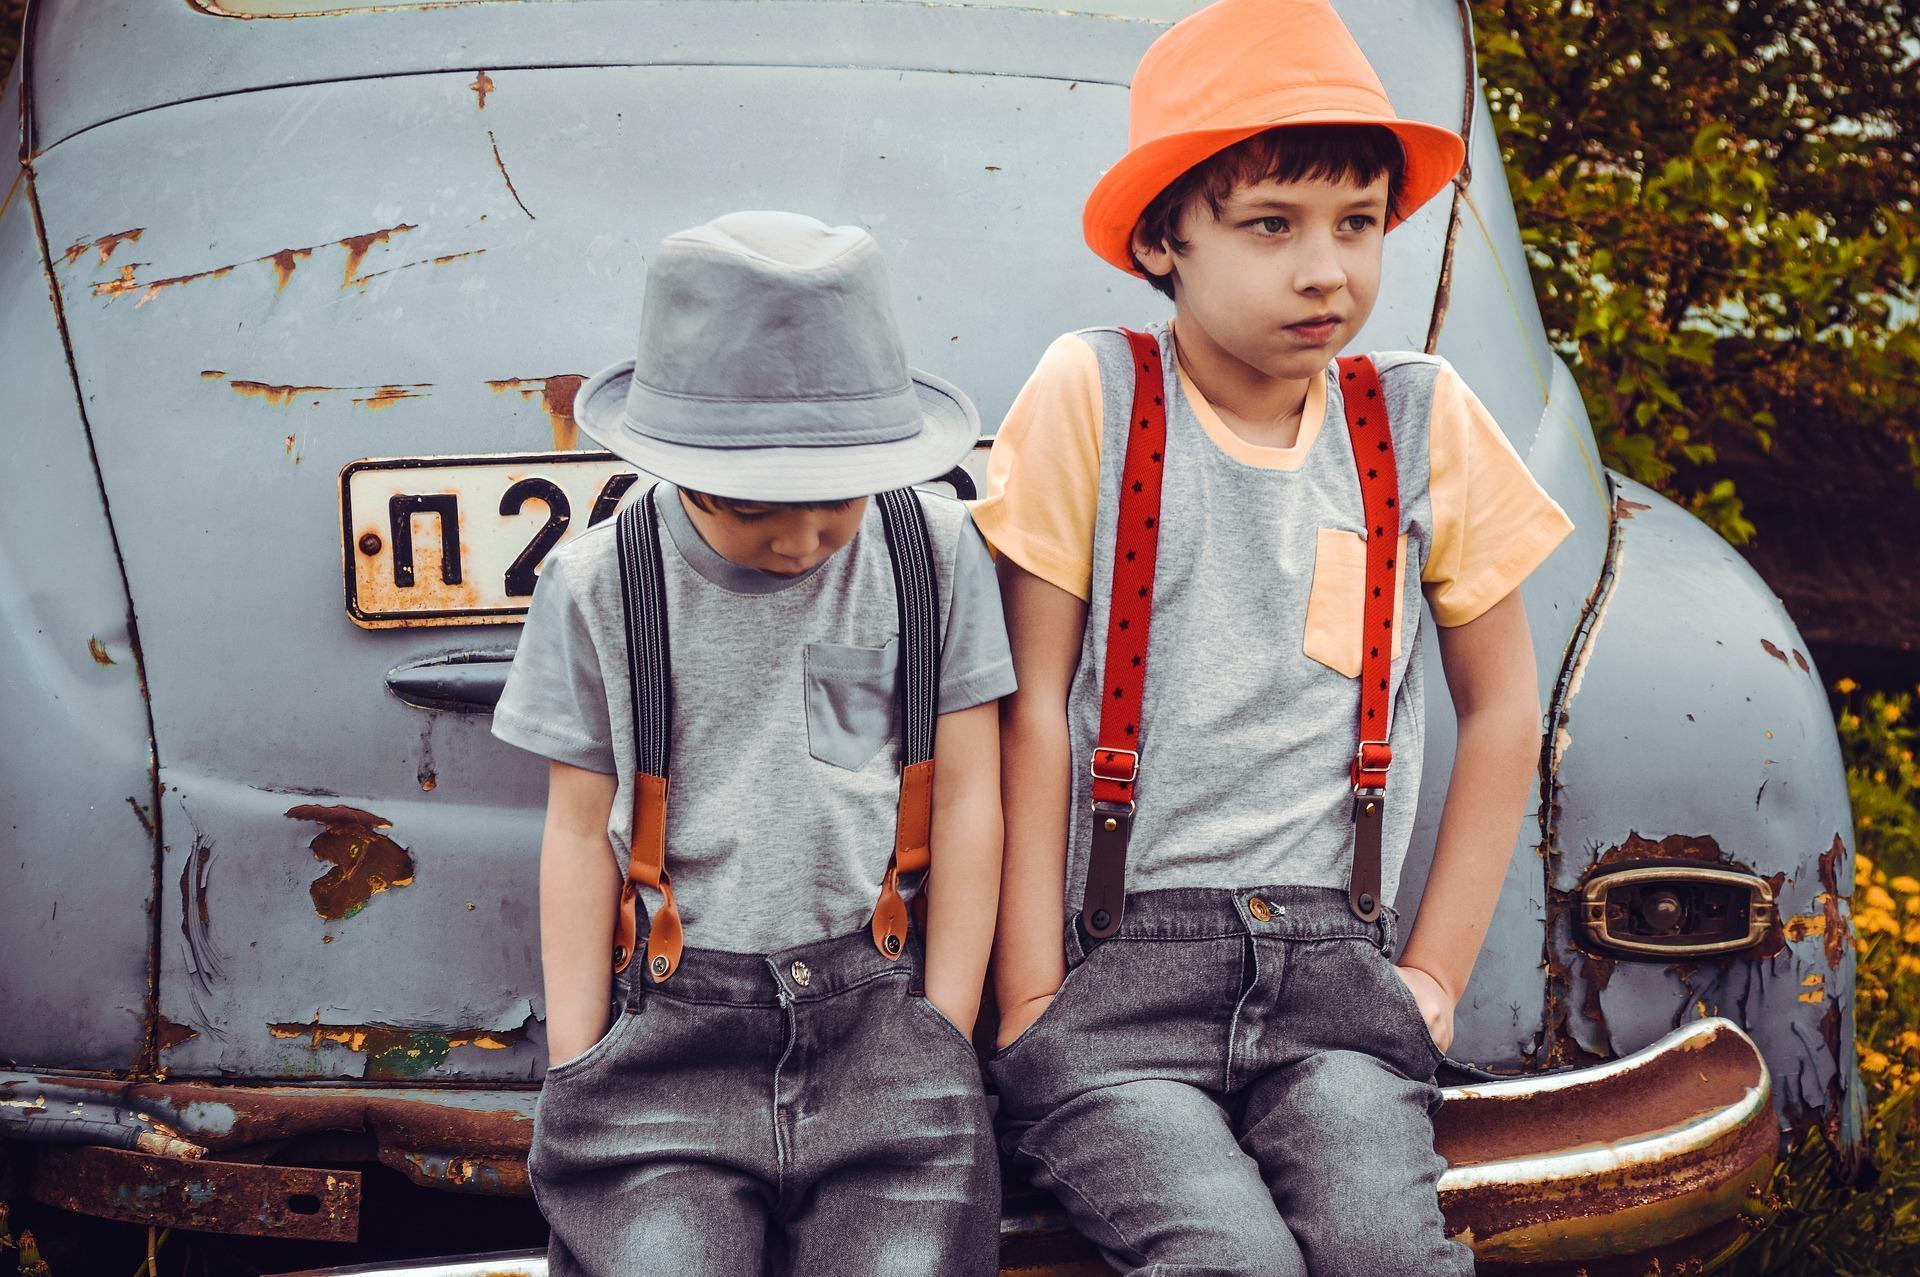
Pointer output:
1014, 1020
1435, 1003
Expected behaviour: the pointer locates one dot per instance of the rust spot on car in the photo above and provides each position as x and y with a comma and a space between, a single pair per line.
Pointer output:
284, 262
361, 281
1836, 934
1625, 509
141, 814
387, 396
106, 244
556, 396
508, 177
1801, 661
279, 396
358, 245
365, 861
1774, 652
481, 86
173, 1033
398, 1051
99, 651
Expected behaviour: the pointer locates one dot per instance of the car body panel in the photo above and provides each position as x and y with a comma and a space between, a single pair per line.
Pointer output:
77, 825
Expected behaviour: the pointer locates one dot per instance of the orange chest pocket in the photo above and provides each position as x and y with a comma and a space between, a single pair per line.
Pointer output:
1336, 602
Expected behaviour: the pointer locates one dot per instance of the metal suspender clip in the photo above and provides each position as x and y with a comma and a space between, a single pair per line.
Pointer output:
1127, 758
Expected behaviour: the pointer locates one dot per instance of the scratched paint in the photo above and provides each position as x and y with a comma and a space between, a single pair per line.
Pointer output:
282, 396
99, 652
105, 245
365, 861
397, 1051
507, 177
556, 395
481, 86
283, 261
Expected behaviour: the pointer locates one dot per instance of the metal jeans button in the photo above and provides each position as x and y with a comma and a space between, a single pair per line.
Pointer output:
1259, 908
800, 974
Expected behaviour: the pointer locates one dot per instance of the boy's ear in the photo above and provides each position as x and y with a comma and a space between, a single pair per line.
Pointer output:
1153, 254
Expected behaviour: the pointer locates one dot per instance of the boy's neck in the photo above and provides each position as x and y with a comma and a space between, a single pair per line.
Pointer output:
1260, 409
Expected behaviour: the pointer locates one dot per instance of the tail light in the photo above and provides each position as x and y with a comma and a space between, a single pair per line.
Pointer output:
1670, 911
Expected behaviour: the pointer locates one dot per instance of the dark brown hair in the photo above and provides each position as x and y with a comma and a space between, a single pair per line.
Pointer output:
714, 505
1354, 153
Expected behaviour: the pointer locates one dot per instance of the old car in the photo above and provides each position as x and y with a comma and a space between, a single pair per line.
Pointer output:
294, 297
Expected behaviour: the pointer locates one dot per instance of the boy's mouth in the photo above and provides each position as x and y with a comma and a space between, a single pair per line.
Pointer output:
1315, 330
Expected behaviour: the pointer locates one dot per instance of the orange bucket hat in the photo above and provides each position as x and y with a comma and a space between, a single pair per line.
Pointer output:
1241, 67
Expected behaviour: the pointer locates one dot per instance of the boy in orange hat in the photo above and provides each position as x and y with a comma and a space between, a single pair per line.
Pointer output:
1214, 539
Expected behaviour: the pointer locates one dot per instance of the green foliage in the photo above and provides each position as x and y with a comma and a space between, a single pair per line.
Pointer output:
1819, 1225
1717, 201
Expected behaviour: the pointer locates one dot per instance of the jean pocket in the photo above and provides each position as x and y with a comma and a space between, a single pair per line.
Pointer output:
1400, 991
1337, 602
851, 701
606, 1046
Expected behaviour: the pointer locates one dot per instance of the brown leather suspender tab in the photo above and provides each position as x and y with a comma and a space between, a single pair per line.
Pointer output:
1115, 765
643, 598
1366, 412
914, 585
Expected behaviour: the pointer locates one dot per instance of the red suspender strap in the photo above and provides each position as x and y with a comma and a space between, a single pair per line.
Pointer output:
1116, 758
1366, 411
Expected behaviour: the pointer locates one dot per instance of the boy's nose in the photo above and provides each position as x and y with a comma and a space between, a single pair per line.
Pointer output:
1318, 269
797, 543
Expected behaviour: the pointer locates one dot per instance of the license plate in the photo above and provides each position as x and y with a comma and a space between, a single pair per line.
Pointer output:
459, 540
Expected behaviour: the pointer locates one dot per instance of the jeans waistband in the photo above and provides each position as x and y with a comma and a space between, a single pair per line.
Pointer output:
804, 973
1282, 912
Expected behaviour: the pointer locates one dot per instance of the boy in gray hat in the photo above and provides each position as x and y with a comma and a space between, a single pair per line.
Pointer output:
774, 1072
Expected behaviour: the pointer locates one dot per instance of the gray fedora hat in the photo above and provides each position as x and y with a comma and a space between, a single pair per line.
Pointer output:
770, 368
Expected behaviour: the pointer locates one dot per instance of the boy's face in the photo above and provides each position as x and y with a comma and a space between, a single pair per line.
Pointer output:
786, 540
1283, 278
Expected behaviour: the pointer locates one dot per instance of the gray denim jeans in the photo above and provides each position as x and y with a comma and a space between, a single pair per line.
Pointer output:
807, 1111
1236, 1082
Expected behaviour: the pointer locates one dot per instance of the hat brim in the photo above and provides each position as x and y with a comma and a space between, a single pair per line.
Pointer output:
949, 428
1434, 155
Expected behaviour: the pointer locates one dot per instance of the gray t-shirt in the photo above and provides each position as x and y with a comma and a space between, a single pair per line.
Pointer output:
785, 752
1251, 705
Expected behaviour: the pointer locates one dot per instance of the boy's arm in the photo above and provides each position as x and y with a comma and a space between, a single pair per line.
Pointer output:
965, 878
1490, 675
1044, 627
579, 891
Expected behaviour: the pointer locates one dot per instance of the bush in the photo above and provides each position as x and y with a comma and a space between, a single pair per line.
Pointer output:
1819, 1224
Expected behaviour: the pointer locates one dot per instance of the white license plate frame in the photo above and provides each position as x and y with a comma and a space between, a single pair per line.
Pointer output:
458, 540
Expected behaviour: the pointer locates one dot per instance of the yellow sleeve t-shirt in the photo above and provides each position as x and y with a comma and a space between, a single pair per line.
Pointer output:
1492, 524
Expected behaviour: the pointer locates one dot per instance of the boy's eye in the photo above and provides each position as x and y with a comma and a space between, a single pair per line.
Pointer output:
1360, 221
1272, 225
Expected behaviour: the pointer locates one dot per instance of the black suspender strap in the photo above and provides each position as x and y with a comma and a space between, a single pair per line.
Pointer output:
914, 586
643, 600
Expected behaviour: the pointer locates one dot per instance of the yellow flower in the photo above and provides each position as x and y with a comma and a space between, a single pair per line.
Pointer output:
1877, 898
1862, 864
1890, 712
1908, 1040
1880, 778
1845, 687
1873, 1062
1912, 934
1911, 904
1905, 884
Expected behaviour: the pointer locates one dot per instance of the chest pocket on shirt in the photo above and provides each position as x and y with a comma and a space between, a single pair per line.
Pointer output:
852, 701
1334, 608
